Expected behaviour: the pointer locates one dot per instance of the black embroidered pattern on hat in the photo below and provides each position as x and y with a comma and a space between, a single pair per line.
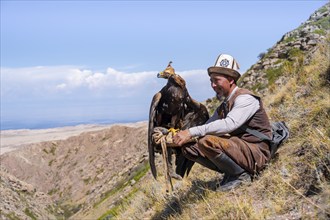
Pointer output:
224, 63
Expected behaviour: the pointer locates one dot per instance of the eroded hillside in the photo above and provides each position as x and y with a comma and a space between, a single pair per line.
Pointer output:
76, 173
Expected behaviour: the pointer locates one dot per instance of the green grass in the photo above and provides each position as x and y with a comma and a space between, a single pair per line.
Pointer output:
258, 86
273, 74
12, 216
53, 148
141, 172
51, 162
29, 213
289, 39
87, 180
296, 52
137, 174
69, 210
117, 188
320, 32
52, 191
323, 23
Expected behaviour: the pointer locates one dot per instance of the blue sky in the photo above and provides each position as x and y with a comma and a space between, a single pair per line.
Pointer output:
83, 61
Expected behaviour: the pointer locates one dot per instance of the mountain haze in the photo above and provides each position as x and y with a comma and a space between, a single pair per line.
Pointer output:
105, 174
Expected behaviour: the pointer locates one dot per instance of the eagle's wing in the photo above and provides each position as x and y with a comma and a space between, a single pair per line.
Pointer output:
195, 114
183, 165
152, 121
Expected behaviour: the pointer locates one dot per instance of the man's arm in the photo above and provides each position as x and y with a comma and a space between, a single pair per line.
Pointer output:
244, 108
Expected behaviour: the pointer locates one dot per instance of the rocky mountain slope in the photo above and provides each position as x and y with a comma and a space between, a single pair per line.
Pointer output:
20, 200
278, 63
76, 173
105, 174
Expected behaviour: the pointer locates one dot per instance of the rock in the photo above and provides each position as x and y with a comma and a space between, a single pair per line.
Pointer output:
305, 38
312, 42
18, 197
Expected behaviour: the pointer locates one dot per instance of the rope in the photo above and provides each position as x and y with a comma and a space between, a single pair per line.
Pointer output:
164, 137
159, 137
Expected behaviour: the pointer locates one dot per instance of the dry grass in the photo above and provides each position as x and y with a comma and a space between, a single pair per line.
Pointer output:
295, 184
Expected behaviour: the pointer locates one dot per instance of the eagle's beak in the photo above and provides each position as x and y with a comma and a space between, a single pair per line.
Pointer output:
160, 75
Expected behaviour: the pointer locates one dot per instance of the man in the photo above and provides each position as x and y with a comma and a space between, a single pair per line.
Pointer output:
223, 144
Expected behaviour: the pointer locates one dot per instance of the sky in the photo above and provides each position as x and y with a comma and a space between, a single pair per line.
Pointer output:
72, 62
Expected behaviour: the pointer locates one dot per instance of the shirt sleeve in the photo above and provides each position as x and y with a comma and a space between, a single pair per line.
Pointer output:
245, 106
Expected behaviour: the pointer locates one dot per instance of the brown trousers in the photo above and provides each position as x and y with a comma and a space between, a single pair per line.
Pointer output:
250, 156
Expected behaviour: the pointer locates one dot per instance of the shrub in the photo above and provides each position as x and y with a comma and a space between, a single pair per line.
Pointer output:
261, 55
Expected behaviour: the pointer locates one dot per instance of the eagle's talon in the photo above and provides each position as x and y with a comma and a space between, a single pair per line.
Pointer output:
175, 176
173, 130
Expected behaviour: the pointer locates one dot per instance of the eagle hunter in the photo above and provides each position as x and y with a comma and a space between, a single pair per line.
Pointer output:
173, 108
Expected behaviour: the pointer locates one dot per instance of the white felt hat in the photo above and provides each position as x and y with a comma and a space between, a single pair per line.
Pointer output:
226, 65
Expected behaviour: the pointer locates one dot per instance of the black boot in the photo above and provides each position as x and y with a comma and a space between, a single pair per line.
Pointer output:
207, 163
234, 174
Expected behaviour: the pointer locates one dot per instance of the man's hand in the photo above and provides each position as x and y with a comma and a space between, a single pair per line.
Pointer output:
182, 137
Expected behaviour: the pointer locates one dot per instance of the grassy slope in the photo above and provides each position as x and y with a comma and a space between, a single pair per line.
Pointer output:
295, 184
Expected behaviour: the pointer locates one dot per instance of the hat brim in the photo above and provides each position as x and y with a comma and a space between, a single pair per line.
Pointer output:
224, 71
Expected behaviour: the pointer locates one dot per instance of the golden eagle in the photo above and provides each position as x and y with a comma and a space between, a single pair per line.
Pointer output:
173, 108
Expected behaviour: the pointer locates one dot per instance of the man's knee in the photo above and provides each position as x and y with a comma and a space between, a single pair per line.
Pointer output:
208, 146
205, 141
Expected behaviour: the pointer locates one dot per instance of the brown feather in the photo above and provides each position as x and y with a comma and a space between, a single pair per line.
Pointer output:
172, 107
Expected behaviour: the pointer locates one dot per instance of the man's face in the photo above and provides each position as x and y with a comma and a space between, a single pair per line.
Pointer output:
221, 84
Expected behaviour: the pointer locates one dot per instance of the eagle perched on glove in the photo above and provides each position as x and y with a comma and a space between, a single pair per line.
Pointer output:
173, 108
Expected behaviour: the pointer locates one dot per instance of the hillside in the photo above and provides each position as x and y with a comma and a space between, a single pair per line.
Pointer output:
55, 179
105, 175
293, 78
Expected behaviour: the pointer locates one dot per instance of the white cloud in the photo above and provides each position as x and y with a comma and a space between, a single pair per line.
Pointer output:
61, 86
63, 89
33, 80
122, 79
76, 76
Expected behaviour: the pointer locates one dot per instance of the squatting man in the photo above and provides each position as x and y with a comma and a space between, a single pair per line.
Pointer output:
223, 145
